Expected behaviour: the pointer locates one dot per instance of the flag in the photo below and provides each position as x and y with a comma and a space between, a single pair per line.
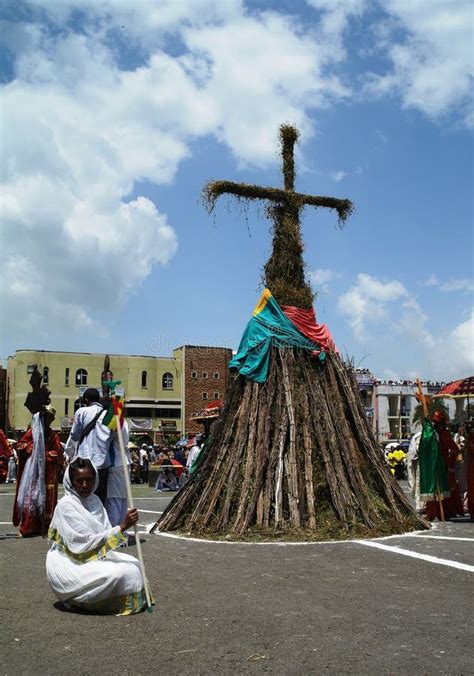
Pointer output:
115, 408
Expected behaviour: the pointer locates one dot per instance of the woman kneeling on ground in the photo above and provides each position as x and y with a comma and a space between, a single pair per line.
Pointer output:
82, 566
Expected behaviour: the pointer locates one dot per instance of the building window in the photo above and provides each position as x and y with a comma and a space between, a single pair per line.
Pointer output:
77, 404
204, 395
45, 375
167, 381
141, 412
216, 395
81, 377
143, 378
66, 407
216, 375
168, 413
194, 374
66, 377
204, 374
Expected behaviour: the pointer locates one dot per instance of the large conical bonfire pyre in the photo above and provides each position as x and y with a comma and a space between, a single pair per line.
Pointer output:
292, 454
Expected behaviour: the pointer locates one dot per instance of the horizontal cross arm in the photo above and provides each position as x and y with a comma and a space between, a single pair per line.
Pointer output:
344, 208
215, 189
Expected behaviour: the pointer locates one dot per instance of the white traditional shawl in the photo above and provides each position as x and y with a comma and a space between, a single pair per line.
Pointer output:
32, 489
82, 525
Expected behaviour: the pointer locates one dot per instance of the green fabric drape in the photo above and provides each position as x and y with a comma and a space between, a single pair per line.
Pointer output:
431, 465
268, 326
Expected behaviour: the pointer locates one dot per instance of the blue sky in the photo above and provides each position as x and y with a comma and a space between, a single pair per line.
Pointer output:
116, 114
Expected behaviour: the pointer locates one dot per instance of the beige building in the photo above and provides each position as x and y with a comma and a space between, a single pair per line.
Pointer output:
151, 387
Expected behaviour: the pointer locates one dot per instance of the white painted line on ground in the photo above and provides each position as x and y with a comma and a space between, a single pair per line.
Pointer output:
157, 498
186, 538
277, 543
416, 555
397, 535
149, 511
2, 494
437, 537
373, 542
147, 526
6, 523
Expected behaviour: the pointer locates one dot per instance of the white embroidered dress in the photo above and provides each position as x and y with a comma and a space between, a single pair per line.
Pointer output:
83, 567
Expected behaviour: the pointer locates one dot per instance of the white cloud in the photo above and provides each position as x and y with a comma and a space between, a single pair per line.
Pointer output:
338, 175
83, 130
365, 302
461, 339
432, 280
458, 285
263, 71
453, 354
335, 20
322, 275
411, 324
320, 278
68, 169
83, 127
384, 313
432, 65
451, 285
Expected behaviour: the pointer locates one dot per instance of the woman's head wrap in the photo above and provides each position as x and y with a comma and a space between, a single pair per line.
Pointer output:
69, 488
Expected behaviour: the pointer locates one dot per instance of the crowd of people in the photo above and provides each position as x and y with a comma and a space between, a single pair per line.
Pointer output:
366, 373
173, 463
411, 383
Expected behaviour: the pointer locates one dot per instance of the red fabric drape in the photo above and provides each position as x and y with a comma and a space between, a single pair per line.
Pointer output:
305, 321
178, 472
5, 453
32, 524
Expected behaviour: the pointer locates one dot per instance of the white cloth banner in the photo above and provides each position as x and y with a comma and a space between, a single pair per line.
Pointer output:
140, 423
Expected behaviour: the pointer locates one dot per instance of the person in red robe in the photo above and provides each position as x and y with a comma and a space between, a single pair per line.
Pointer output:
40, 458
5, 453
470, 472
452, 505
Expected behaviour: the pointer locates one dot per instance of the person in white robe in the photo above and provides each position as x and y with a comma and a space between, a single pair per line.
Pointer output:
11, 475
116, 501
194, 454
166, 481
83, 566
413, 473
95, 444
90, 438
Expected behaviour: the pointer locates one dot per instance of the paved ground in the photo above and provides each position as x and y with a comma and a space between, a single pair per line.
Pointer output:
389, 606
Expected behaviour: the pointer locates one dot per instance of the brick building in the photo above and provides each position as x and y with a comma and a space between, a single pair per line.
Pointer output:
205, 377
